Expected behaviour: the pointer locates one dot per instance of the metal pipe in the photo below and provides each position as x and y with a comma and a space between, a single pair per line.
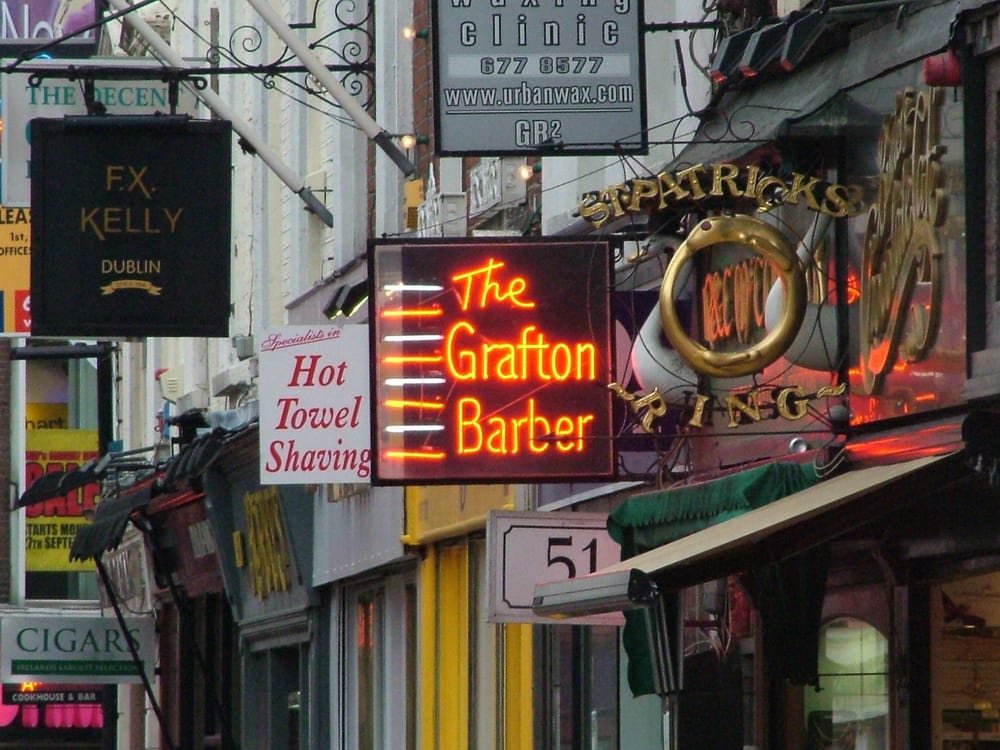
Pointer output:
133, 651
354, 110
170, 56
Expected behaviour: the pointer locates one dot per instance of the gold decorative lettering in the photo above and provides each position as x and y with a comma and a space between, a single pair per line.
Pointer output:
269, 554
912, 196
790, 402
727, 180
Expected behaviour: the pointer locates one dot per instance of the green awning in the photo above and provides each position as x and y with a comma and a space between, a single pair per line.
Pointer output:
650, 520
644, 522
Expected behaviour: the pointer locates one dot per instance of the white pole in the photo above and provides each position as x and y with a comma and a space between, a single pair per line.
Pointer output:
351, 106
170, 56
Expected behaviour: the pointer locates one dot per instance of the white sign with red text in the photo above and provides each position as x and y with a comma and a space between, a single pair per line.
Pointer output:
315, 422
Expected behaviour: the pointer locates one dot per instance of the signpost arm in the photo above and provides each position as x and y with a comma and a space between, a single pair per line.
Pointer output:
355, 111
214, 102
109, 587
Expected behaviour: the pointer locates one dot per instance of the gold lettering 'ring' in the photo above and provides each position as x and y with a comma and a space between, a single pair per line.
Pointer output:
764, 239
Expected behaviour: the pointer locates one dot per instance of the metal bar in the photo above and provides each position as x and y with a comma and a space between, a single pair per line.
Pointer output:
355, 111
214, 102
74, 71
106, 579
71, 351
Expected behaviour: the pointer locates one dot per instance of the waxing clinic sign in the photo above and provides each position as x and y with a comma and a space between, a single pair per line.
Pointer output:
75, 649
134, 239
513, 76
314, 405
490, 360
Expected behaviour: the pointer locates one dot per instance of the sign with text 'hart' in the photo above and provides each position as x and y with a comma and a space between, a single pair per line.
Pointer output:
131, 227
315, 421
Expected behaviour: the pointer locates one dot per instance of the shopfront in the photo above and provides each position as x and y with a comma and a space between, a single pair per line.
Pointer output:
367, 582
264, 538
831, 272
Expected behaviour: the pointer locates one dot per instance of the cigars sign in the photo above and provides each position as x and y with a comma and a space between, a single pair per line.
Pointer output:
490, 360
130, 231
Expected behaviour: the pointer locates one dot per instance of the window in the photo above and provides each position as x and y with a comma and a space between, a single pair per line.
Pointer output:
371, 685
61, 421
851, 708
380, 665
582, 666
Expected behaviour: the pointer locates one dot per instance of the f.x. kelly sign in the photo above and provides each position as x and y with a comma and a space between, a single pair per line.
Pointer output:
134, 239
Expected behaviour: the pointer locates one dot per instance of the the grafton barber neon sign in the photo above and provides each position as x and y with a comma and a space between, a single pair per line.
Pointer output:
491, 360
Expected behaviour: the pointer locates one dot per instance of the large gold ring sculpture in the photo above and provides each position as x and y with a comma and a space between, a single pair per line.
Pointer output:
764, 239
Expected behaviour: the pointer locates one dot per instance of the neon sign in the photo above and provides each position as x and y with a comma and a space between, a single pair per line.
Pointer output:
491, 360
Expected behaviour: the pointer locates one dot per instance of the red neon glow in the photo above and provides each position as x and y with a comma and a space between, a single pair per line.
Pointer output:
402, 403
479, 283
412, 312
853, 288
412, 359
407, 455
518, 372
531, 356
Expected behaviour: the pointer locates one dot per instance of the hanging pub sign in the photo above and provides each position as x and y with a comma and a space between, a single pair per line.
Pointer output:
130, 230
490, 360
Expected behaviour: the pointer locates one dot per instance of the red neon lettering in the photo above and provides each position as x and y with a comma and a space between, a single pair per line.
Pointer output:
481, 283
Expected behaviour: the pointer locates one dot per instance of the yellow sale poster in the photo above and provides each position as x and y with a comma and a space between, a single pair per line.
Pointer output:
15, 271
51, 525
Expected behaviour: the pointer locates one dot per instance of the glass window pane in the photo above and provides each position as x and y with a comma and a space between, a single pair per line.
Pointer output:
368, 625
851, 708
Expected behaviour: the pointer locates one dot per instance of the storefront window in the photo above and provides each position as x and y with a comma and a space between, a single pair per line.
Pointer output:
61, 422
851, 708
583, 665
380, 667
370, 677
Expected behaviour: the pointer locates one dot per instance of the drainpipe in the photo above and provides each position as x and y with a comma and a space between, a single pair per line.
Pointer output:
212, 100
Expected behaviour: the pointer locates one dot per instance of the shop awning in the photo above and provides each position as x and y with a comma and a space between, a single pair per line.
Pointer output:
110, 521
790, 104
781, 546
788, 526
58, 483
652, 519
